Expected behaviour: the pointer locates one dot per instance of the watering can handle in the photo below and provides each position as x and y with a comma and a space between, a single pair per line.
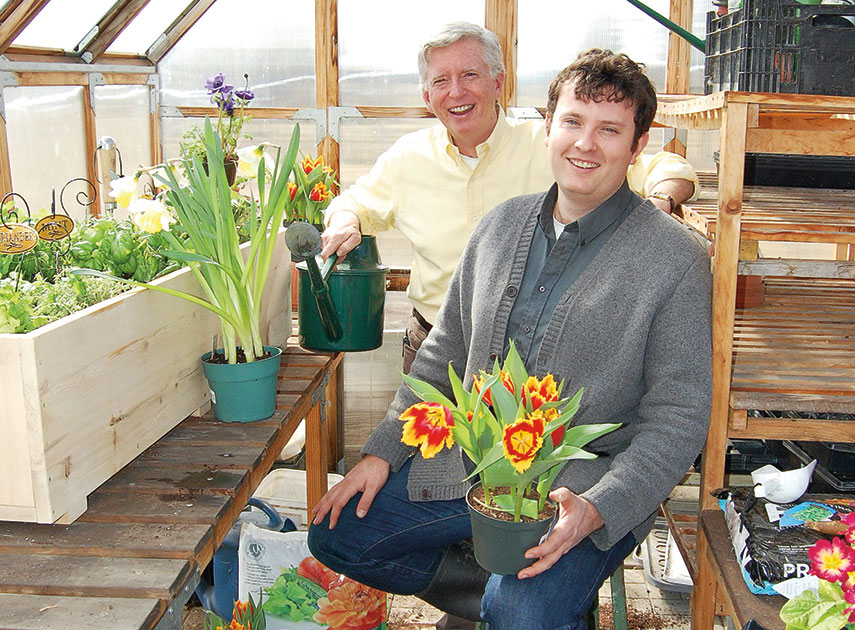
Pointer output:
275, 520
330, 262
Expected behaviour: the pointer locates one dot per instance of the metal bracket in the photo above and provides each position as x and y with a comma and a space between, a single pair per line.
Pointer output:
524, 112
336, 114
319, 396
170, 111
669, 133
172, 618
95, 79
7, 79
316, 115
153, 82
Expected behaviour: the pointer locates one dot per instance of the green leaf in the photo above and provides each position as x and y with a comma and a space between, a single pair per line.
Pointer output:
516, 368
460, 394
495, 454
506, 405
427, 392
506, 503
582, 434
808, 612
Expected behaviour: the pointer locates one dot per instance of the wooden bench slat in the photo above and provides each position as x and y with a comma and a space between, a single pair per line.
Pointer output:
37, 612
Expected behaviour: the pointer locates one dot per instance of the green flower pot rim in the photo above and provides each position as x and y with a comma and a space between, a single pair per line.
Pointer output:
274, 351
503, 524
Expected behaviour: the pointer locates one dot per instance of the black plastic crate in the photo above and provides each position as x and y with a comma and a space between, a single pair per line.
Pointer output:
782, 46
799, 171
835, 463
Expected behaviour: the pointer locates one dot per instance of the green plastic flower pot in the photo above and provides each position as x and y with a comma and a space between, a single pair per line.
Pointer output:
500, 546
243, 392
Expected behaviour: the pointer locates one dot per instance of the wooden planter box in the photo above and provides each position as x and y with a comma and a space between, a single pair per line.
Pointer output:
82, 397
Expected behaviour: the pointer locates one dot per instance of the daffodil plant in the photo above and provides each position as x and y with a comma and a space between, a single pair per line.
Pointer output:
232, 282
832, 605
515, 428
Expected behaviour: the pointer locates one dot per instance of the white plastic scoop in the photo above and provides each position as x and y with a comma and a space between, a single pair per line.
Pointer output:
781, 486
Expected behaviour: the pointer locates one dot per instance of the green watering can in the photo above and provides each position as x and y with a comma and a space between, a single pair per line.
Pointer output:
341, 310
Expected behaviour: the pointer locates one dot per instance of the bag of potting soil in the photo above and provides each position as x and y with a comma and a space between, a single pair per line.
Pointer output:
771, 541
298, 592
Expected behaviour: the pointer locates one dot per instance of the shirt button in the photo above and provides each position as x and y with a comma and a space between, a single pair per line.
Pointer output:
425, 494
527, 329
493, 356
582, 242
511, 291
541, 289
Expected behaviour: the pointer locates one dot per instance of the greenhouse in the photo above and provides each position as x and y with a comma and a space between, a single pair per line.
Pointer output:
304, 304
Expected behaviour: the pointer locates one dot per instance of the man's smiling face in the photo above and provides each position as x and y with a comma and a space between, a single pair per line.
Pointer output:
461, 93
590, 147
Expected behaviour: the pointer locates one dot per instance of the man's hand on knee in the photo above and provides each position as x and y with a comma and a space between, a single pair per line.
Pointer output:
367, 477
577, 518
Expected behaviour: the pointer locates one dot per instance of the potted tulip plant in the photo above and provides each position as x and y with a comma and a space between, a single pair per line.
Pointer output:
832, 605
245, 616
232, 280
516, 429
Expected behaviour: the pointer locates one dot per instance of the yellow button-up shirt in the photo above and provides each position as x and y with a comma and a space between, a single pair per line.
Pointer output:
424, 188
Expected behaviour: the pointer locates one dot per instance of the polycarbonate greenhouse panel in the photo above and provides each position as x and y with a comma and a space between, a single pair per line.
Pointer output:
270, 40
47, 144
63, 23
276, 131
122, 112
552, 32
364, 139
147, 26
379, 41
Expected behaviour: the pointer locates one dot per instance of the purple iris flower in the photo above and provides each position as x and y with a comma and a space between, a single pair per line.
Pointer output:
227, 105
245, 95
217, 84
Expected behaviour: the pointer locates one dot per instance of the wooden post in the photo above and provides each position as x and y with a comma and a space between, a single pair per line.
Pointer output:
501, 18
326, 71
316, 458
5, 164
91, 144
677, 78
732, 150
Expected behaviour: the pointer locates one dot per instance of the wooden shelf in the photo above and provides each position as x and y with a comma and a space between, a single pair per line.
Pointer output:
797, 351
793, 353
780, 214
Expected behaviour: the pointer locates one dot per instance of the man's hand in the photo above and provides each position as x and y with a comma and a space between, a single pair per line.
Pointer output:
342, 234
367, 477
576, 519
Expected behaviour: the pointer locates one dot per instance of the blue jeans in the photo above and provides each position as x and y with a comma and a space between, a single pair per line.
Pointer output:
398, 545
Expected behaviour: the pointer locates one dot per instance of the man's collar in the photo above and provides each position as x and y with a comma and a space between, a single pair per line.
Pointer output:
592, 223
500, 131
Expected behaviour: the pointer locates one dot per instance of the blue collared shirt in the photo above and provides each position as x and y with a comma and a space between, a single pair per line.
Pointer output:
554, 264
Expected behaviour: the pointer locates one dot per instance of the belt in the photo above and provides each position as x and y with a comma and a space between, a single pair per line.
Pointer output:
422, 321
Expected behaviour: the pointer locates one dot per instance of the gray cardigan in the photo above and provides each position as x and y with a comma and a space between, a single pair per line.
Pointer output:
634, 330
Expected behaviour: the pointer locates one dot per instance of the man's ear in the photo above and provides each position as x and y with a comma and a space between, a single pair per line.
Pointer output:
639, 147
500, 83
547, 124
426, 97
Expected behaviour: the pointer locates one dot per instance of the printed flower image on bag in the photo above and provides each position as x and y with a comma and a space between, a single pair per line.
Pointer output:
300, 593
